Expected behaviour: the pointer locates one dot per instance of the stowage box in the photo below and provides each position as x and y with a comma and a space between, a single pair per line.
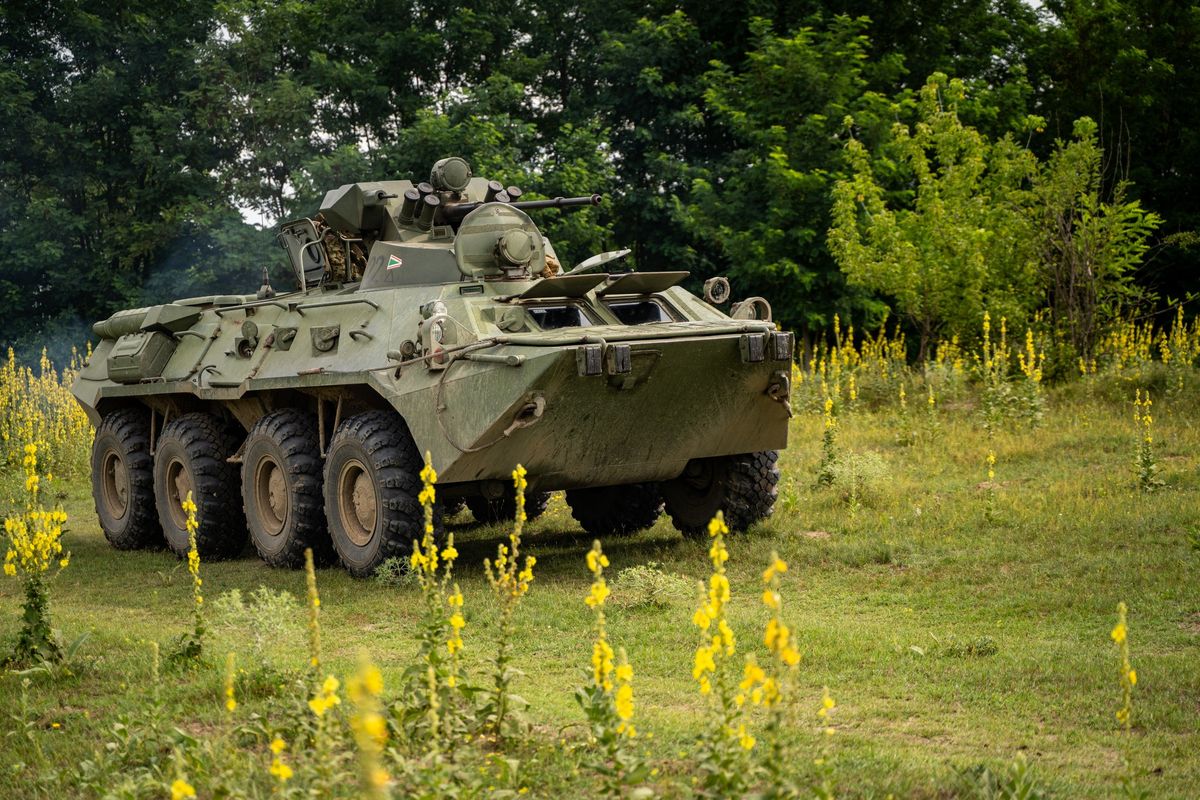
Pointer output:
140, 356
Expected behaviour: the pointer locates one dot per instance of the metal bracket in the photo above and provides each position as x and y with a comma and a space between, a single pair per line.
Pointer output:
322, 440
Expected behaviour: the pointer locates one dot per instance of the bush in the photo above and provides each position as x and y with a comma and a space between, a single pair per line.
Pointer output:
859, 476
648, 586
266, 620
396, 573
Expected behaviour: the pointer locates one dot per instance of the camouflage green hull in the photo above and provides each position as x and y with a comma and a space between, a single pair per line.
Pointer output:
684, 398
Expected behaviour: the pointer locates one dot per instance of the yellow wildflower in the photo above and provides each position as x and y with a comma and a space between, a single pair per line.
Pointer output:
181, 790
281, 770
745, 739
624, 701
598, 595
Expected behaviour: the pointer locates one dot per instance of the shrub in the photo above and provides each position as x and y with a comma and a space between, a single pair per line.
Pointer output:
648, 586
267, 619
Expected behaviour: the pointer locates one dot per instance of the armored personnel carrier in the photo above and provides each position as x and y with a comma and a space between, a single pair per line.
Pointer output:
432, 317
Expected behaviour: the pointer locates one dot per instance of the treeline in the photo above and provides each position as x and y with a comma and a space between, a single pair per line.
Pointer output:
137, 139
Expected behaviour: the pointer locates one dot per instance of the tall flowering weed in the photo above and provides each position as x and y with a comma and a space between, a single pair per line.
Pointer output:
510, 582
35, 550
724, 746
441, 641
607, 700
37, 407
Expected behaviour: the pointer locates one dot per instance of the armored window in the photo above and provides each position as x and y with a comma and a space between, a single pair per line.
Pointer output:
565, 316
640, 312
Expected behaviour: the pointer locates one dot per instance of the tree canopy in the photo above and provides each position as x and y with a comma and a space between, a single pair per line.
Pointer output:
147, 150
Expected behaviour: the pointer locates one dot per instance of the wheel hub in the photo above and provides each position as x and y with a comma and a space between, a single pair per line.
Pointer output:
179, 484
358, 506
115, 484
271, 496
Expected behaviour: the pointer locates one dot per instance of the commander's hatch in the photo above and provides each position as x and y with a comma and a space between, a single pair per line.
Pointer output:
641, 283
572, 286
306, 251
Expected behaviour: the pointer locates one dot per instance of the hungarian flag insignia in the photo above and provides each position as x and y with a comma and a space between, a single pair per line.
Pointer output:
394, 261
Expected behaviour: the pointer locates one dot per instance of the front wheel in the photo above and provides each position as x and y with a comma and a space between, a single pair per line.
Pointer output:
123, 480
372, 481
743, 487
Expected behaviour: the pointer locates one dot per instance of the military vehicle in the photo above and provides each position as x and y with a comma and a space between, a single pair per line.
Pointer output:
432, 317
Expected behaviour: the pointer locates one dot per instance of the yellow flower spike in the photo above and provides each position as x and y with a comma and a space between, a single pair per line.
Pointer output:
230, 700
182, 790
624, 702
280, 770
1120, 636
314, 611
745, 739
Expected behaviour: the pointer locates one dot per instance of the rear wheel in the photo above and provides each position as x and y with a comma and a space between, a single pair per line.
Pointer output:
193, 456
743, 487
372, 480
281, 488
615, 510
123, 480
489, 511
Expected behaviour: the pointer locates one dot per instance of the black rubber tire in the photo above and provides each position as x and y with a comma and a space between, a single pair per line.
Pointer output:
615, 510
282, 458
504, 509
193, 452
123, 480
743, 487
377, 446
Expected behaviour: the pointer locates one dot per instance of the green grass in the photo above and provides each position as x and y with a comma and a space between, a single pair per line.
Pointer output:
948, 641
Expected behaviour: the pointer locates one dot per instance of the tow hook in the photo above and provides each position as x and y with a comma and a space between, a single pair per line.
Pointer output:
529, 414
780, 390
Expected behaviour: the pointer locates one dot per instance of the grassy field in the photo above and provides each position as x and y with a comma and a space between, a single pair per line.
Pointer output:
949, 636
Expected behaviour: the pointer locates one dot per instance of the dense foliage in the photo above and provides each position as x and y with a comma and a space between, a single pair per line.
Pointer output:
147, 150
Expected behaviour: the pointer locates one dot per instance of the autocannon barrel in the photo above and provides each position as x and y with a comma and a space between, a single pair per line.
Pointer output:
455, 213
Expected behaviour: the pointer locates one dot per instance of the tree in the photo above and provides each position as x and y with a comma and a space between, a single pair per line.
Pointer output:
938, 221
1130, 65
1089, 248
761, 211
106, 156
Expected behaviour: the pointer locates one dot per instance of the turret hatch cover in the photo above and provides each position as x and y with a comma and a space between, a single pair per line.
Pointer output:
642, 282
565, 286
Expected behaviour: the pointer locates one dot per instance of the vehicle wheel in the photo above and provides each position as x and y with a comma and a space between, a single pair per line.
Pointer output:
504, 509
372, 480
281, 488
192, 455
123, 480
614, 510
743, 487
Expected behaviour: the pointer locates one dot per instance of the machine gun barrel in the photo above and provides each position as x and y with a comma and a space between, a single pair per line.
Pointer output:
454, 214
